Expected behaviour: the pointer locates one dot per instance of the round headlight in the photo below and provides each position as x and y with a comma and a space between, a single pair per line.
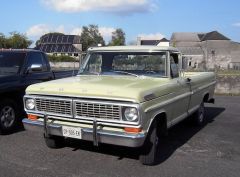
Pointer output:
131, 114
30, 103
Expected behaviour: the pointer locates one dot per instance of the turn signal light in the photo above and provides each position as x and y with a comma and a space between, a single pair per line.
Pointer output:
132, 130
32, 117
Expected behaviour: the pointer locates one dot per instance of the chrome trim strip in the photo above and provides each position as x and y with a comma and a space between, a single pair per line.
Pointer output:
164, 103
85, 97
203, 87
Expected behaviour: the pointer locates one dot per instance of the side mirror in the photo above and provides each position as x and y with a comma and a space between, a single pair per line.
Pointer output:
35, 68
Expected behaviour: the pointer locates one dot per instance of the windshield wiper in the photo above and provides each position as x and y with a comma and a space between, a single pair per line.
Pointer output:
124, 72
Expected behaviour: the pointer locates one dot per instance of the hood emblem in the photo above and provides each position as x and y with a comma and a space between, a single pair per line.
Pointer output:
150, 96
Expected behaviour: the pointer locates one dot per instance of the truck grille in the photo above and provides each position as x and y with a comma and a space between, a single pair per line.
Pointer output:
97, 110
53, 106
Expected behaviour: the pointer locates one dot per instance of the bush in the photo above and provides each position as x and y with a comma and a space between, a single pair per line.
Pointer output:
63, 58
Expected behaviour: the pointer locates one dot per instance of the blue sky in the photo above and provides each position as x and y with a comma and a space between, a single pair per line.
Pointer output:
149, 18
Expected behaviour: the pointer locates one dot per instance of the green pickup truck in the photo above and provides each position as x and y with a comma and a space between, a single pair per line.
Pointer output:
128, 96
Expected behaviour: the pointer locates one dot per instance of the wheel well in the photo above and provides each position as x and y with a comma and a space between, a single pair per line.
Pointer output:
206, 97
161, 121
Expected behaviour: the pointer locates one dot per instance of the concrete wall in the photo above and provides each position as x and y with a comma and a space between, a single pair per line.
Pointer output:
64, 64
228, 85
217, 53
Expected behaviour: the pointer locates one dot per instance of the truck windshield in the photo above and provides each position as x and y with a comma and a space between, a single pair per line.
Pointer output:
132, 64
11, 62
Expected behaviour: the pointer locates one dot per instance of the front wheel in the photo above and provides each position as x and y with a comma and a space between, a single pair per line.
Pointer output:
8, 116
150, 148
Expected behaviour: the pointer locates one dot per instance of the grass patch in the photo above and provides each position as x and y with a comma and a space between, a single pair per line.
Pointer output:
61, 58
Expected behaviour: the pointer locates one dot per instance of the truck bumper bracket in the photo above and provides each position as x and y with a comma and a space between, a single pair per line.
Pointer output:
95, 133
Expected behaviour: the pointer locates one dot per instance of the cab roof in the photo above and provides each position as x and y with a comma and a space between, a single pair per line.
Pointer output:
132, 49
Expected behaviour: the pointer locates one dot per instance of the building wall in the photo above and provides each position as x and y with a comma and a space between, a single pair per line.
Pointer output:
217, 53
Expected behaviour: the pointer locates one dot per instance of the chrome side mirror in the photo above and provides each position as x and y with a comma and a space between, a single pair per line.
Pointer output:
35, 68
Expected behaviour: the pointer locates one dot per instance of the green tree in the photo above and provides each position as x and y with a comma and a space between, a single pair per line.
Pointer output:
118, 37
2, 41
91, 36
17, 41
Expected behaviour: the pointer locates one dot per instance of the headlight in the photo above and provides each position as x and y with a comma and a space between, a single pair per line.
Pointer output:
30, 103
131, 114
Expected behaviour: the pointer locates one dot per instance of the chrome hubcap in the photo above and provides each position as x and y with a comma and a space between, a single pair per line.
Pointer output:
7, 116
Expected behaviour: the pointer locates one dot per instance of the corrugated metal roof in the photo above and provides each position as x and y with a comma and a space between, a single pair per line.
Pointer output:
59, 39
58, 48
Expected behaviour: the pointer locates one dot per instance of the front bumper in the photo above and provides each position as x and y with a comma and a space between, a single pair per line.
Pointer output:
90, 134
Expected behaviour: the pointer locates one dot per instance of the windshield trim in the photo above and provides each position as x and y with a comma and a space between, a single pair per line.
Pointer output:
81, 69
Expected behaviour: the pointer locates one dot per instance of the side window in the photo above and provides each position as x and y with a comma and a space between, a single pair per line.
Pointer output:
174, 65
46, 66
94, 64
36, 58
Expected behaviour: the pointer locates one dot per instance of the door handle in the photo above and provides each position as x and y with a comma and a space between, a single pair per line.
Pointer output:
188, 80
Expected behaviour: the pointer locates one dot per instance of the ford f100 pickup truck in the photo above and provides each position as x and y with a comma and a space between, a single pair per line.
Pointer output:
128, 96
20, 68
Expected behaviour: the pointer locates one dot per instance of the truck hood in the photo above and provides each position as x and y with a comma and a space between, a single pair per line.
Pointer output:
125, 88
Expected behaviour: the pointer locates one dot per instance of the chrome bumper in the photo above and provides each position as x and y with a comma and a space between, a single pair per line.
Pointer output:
102, 136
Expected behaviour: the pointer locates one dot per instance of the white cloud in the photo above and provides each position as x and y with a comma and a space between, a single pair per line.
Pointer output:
106, 32
41, 29
236, 24
76, 31
116, 6
156, 36
37, 30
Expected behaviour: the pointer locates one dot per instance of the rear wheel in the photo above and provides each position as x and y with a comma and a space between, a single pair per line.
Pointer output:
8, 116
54, 142
150, 148
198, 117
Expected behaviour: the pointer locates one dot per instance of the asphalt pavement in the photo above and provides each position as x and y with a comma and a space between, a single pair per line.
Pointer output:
209, 151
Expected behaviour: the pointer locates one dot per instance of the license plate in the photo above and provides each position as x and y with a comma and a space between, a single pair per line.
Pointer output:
72, 132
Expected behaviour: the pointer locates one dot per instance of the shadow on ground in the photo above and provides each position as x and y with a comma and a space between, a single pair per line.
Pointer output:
177, 136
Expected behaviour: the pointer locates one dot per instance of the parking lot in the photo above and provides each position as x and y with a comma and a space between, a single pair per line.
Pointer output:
212, 150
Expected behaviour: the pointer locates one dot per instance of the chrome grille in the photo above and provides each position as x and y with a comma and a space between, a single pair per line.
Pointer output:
97, 110
54, 106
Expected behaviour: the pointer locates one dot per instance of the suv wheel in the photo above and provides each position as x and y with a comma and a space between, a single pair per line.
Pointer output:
8, 116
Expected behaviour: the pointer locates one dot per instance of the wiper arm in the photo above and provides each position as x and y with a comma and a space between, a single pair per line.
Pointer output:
124, 72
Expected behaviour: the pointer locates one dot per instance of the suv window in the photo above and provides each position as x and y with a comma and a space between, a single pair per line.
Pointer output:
36, 58
11, 62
